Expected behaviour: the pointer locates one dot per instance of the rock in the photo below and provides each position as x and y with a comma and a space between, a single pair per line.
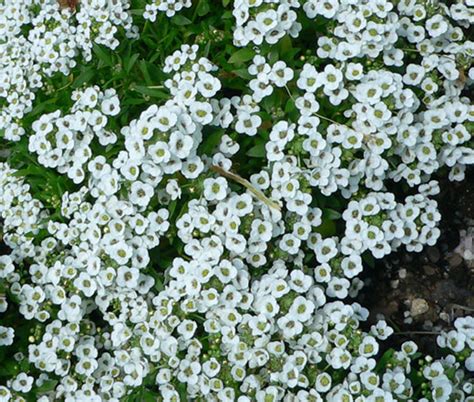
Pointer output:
418, 307
429, 270
454, 260
433, 254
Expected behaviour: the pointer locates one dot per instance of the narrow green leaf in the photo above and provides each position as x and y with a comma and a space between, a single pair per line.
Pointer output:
83, 78
243, 73
132, 62
203, 8
382, 363
180, 20
332, 214
257, 151
241, 56
144, 70
103, 55
369, 259
327, 228
152, 92
47, 386
210, 142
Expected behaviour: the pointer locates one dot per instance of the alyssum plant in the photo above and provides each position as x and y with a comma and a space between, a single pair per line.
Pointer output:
190, 189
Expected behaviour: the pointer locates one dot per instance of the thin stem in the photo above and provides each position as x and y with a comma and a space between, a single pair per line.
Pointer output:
71, 80
289, 93
461, 307
257, 193
417, 333
316, 114
437, 54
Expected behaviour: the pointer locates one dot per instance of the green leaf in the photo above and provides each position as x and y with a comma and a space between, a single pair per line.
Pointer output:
152, 92
158, 280
384, 360
83, 78
180, 20
148, 396
285, 45
273, 56
103, 55
172, 207
241, 56
47, 386
40, 108
203, 8
243, 73
327, 228
182, 390
332, 214
257, 151
369, 259
132, 101
290, 106
10, 368
210, 142
144, 69
131, 62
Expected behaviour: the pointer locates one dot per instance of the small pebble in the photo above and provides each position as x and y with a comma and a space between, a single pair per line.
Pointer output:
428, 325
433, 254
429, 270
402, 273
455, 260
418, 307
444, 316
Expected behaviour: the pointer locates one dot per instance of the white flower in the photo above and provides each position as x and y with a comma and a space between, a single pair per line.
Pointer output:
141, 193
280, 74
22, 383
247, 123
301, 309
201, 112
6, 336
215, 189
436, 25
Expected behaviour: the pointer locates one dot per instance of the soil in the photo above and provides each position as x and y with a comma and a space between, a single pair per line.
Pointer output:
420, 294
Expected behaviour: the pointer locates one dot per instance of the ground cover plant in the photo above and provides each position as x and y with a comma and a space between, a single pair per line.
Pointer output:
190, 190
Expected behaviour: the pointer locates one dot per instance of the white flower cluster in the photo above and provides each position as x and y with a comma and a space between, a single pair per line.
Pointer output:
63, 142
379, 224
359, 28
170, 7
21, 215
22, 218
253, 303
39, 38
460, 340
390, 129
385, 136
264, 20
275, 329
424, 140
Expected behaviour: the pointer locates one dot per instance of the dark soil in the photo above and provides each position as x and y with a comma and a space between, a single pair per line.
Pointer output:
420, 294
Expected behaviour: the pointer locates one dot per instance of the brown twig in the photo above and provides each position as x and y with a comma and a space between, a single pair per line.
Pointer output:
257, 193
